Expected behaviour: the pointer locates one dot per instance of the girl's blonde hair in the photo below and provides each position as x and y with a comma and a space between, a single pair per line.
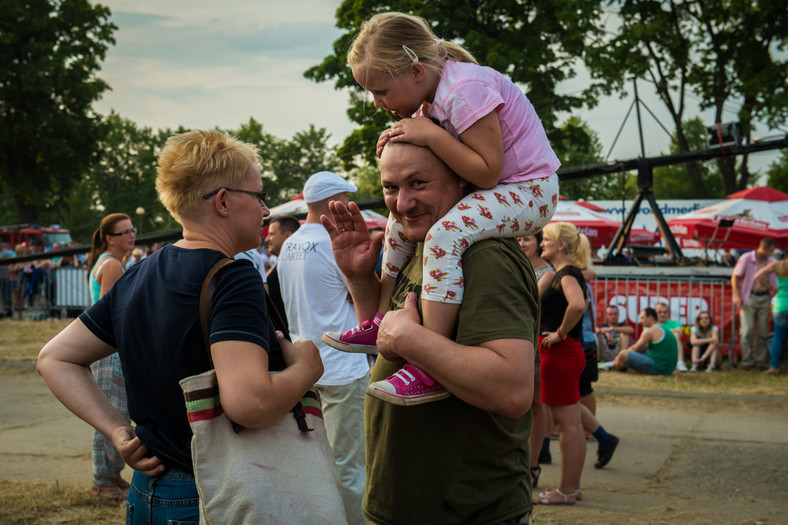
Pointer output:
578, 248
704, 331
198, 162
383, 38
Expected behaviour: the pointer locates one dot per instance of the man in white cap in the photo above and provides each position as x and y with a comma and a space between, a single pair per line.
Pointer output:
317, 300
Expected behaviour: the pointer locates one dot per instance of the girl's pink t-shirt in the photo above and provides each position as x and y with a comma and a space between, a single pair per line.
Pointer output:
467, 92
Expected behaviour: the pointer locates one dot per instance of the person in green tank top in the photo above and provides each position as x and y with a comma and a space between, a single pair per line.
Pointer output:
779, 310
661, 358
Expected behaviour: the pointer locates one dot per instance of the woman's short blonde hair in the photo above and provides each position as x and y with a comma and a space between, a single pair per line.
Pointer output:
198, 162
379, 45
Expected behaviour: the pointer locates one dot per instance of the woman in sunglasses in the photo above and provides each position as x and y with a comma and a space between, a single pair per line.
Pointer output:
113, 241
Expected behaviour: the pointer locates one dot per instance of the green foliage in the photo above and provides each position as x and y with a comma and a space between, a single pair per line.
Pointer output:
725, 52
777, 173
287, 164
577, 146
50, 51
674, 182
534, 42
367, 179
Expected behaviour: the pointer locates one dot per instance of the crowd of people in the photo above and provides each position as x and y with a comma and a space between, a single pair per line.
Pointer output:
441, 378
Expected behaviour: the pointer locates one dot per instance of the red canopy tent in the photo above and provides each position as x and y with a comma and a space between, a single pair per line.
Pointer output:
598, 226
738, 222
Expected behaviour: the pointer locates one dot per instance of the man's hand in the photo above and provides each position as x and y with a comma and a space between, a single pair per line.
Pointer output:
301, 351
135, 453
355, 252
396, 327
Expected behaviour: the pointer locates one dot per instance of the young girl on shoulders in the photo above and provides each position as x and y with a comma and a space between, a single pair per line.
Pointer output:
485, 129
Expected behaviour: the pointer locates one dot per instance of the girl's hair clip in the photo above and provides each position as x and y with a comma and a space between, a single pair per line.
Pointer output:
413, 56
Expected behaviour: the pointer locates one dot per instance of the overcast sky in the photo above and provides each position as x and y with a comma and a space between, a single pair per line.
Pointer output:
204, 64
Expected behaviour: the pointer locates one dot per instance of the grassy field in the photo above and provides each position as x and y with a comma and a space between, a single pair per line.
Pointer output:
28, 503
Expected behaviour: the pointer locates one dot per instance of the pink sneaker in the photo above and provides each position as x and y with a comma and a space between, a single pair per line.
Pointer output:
361, 339
409, 386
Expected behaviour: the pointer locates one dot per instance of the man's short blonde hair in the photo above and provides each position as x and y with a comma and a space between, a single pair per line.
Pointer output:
198, 162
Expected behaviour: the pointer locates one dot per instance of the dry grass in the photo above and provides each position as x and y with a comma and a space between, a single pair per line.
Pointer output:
28, 503
20, 342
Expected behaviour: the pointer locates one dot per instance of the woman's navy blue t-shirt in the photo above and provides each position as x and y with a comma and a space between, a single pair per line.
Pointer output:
151, 315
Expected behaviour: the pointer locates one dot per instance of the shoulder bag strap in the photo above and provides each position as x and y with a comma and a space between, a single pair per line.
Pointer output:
206, 294
205, 310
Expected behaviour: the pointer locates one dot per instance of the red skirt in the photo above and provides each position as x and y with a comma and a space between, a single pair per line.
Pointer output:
560, 368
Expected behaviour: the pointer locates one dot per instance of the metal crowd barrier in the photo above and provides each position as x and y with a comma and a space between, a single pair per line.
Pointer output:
687, 291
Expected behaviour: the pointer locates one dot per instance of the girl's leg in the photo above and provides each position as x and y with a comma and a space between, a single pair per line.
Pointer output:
696, 355
507, 210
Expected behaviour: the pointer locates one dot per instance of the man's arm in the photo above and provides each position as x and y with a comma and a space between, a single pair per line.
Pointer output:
643, 341
494, 375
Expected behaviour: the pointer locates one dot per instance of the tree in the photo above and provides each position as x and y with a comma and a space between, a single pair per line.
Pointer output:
777, 173
287, 164
50, 53
674, 182
724, 52
576, 146
124, 176
534, 42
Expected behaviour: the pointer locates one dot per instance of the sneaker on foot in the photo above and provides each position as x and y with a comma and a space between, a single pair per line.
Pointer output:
710, 368
604, 453
694, 368
361, 339
681, 366
409, 386
607, 365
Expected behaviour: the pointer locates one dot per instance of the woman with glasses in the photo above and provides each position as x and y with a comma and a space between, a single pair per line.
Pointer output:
211, 184
113, 241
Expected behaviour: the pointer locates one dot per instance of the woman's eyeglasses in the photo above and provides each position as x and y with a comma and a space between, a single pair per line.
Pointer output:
259, 195
124, 232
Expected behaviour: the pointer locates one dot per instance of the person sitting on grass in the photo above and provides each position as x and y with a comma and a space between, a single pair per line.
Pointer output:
661, 358
705, 341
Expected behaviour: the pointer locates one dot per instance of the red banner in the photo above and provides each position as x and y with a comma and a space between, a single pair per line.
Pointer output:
685, 300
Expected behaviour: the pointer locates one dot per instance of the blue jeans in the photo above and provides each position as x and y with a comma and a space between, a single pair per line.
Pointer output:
778, 338
170, 498
641, 363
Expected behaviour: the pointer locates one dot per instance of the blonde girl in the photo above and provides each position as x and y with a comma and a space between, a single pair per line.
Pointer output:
488, 133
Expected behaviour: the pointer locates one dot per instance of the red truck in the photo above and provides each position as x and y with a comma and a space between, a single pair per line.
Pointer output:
33, 236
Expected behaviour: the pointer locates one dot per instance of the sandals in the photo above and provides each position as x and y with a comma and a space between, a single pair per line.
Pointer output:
556, 497
535, 473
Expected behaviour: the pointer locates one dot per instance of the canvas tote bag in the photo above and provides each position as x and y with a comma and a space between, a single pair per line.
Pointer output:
281, 474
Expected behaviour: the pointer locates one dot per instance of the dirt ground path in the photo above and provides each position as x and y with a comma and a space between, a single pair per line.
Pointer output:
682, 459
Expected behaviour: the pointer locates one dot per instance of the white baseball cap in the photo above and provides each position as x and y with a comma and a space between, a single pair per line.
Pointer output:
324, 184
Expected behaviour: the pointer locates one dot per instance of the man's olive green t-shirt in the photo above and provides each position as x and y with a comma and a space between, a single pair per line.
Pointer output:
447, 462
